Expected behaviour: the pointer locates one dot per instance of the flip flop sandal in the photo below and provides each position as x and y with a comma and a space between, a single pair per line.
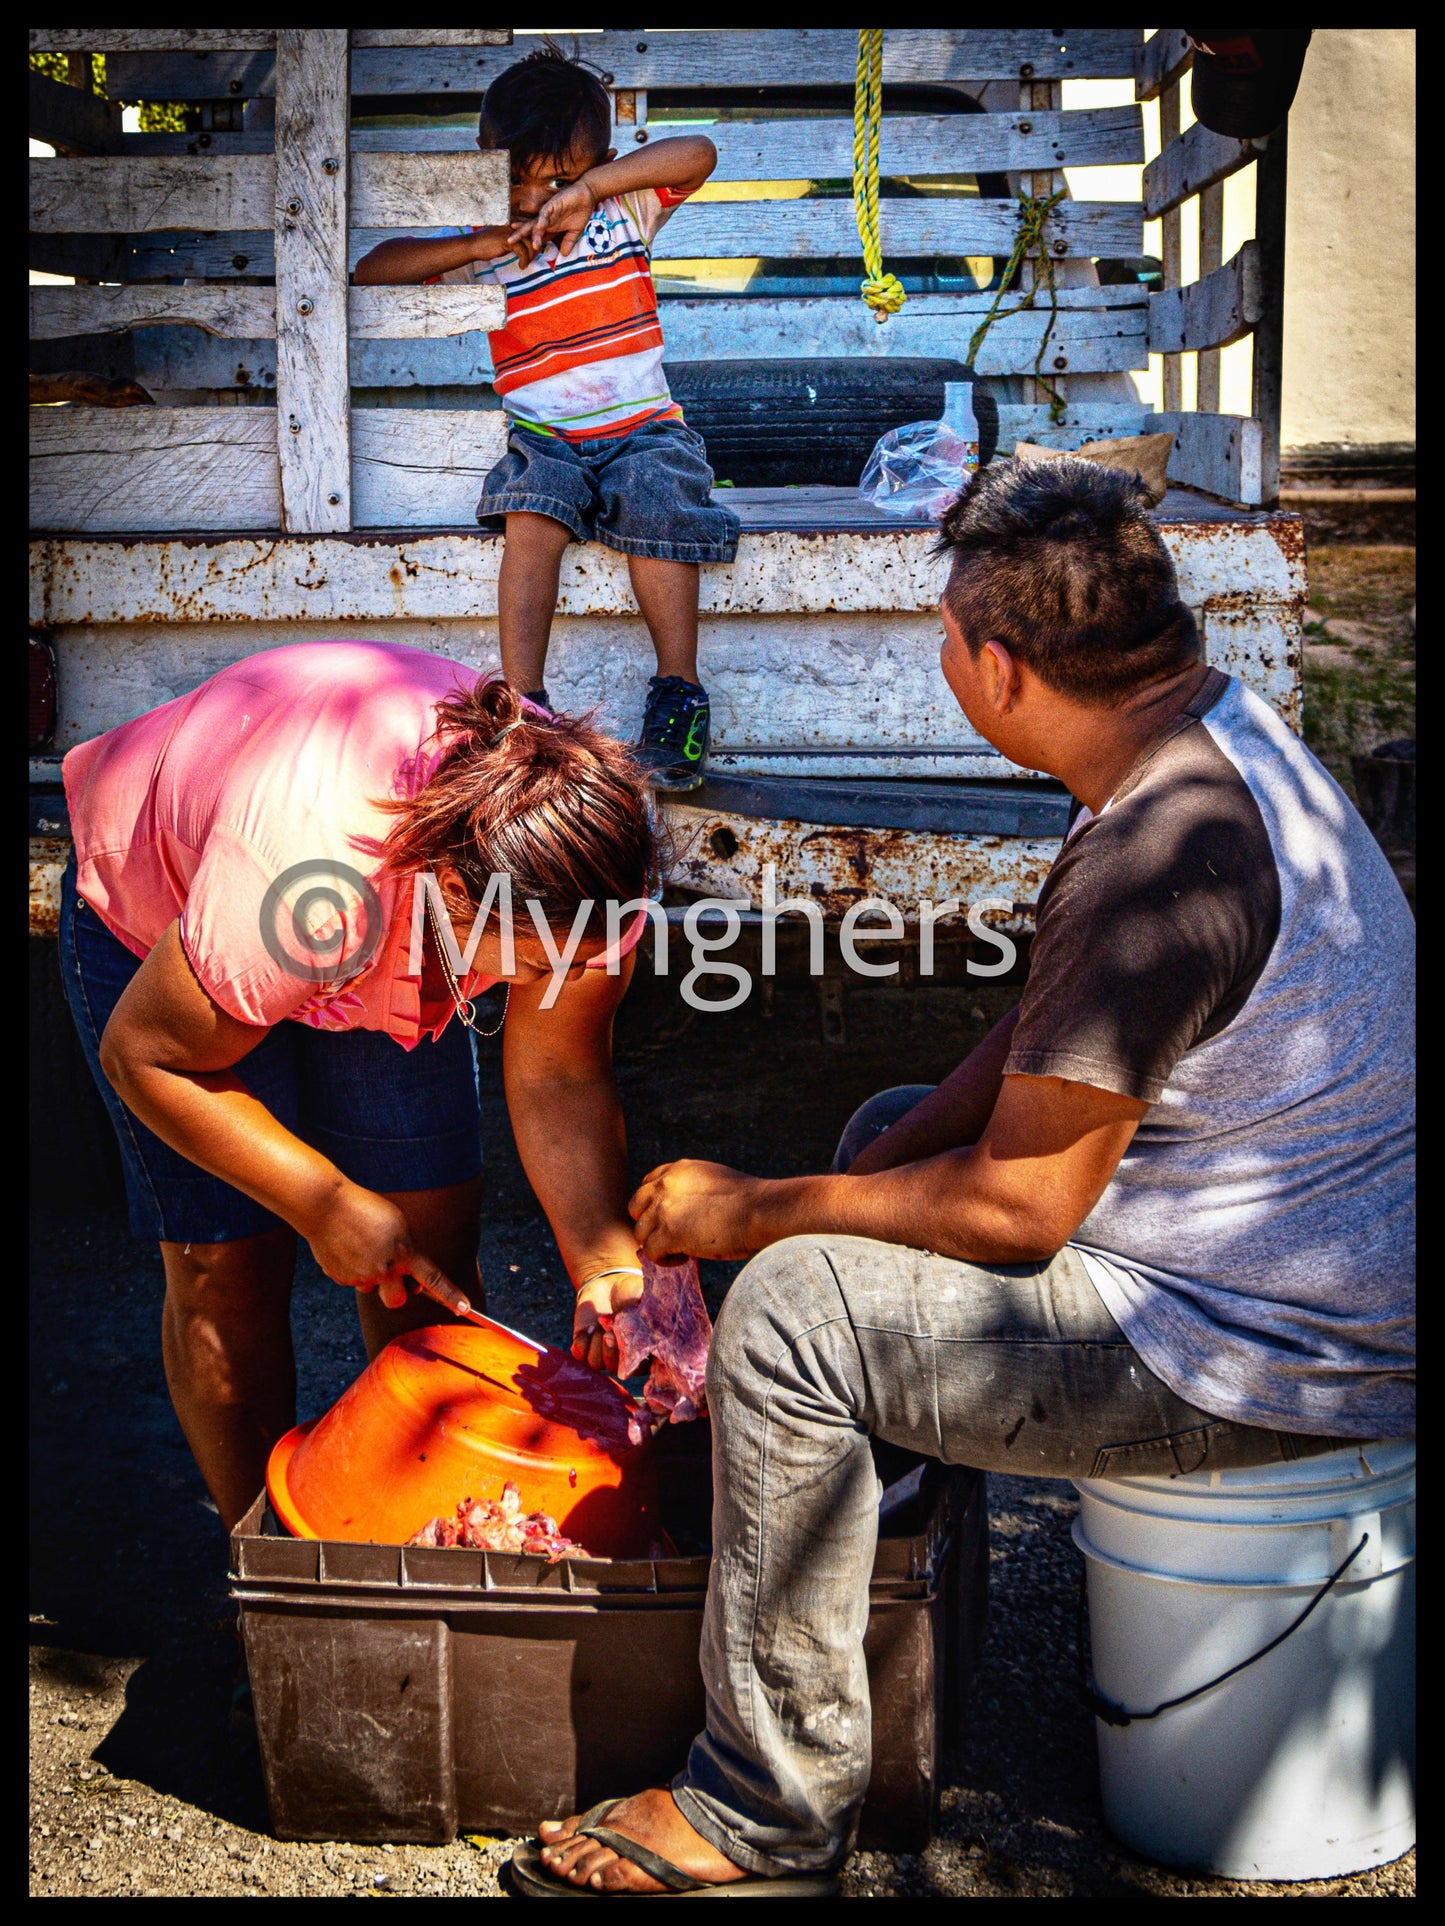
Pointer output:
534, 1881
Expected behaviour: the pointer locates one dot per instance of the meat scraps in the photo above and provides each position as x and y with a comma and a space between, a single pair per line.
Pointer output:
485, 1524
669, 1324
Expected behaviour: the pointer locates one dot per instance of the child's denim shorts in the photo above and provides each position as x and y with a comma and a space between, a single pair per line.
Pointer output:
647, 493
389, 1119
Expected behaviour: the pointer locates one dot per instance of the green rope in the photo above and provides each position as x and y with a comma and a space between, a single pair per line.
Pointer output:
883, 292
1034, 211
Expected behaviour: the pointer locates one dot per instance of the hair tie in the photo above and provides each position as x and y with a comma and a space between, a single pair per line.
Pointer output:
505, 730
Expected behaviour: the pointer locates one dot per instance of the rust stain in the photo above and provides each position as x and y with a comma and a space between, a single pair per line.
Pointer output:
48, 857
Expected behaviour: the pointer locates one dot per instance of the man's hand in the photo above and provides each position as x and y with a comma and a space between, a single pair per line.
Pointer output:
363, 1241
598, 1302
695, 1209
564, 218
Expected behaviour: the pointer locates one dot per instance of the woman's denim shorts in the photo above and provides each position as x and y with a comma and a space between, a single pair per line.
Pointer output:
648, 493
388, 1118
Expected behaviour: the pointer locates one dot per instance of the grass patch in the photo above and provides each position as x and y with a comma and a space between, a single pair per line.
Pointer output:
1359, 666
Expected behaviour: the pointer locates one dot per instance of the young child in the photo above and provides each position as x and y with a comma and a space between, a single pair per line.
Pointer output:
598, 448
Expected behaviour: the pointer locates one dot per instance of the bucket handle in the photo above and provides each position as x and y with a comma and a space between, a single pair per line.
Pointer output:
1113, 1714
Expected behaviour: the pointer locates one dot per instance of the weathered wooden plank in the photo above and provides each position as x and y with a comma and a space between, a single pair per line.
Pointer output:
925, 145
431, 36
1107, 230
1196, 159
144, 194
400, 314
1221, 454
203, 40
149, 193
1160, 60
429, 190
422, 467
240, 312
710, 58
71, 118
1171, 246
1093, 421
1087, 339
313, 384
414, 322
190, 40
914, 145
1210, 313
105, 471
1211, 258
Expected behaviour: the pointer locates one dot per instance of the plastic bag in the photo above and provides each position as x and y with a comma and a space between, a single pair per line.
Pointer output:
918, 469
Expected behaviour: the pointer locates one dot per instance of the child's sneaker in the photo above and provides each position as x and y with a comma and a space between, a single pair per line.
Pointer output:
675, 730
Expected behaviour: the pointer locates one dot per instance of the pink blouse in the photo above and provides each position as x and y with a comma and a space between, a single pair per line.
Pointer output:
281, 762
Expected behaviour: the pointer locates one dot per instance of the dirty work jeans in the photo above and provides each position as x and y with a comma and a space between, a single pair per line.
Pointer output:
821, 1341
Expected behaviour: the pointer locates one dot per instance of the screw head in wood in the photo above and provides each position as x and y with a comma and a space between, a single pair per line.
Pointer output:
1026, 127
642, 46
1026, 71
1061, 361
304, 305
240, 262
295, 426
330, 165
607, 79
640, 135
1061, 247
335, 500
235, 86
293, 206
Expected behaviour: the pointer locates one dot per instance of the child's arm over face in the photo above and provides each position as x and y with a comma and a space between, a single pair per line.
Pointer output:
683, 163
409, 260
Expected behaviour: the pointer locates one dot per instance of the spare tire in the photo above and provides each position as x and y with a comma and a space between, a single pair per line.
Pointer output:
768, 423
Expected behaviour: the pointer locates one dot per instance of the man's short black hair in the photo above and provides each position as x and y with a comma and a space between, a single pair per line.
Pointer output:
1059, 561
545, 108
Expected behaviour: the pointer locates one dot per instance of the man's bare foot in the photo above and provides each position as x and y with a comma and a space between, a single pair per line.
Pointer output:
652, 1819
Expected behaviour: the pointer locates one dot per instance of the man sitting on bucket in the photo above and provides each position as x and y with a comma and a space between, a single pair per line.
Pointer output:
1159, 1221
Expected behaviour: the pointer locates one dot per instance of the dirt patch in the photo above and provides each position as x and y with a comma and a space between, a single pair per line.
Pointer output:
145, 1781
1359, 666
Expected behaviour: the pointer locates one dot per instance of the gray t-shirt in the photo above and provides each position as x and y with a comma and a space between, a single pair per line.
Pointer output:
1226, 941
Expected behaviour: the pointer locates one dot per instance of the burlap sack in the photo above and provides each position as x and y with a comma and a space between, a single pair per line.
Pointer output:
1146, 456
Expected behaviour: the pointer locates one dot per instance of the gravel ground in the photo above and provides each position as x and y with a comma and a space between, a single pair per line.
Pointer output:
145, 1783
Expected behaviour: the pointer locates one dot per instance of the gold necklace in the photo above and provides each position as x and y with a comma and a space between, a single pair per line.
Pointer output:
466, 1009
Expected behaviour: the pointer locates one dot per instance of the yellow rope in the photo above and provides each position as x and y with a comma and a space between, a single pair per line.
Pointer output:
883, 292
1034, 211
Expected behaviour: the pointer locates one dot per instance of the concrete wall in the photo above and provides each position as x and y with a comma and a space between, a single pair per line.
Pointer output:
1349, 373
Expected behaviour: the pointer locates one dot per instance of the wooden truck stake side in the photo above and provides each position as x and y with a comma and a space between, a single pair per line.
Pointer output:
313, 460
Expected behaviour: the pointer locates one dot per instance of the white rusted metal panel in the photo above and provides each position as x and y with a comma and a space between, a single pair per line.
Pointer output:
48, 857
436, 576
836, 868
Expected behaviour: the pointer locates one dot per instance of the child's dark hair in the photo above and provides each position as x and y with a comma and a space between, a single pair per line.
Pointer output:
1059, 561
545, 108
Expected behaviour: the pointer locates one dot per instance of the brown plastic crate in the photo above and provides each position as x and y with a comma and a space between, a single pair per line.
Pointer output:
409, 1694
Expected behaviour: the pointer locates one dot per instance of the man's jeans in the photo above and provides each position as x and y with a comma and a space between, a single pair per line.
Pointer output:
821, 1341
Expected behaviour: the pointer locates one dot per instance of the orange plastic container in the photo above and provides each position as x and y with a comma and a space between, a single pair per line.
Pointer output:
453, 1412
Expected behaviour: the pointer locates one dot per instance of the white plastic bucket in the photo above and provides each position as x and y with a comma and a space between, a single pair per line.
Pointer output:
1302, 1766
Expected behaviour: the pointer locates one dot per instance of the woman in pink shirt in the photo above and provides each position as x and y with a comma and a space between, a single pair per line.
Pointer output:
264, 981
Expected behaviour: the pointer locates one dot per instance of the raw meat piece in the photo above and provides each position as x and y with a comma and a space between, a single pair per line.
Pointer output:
489, 1524
669, 1324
